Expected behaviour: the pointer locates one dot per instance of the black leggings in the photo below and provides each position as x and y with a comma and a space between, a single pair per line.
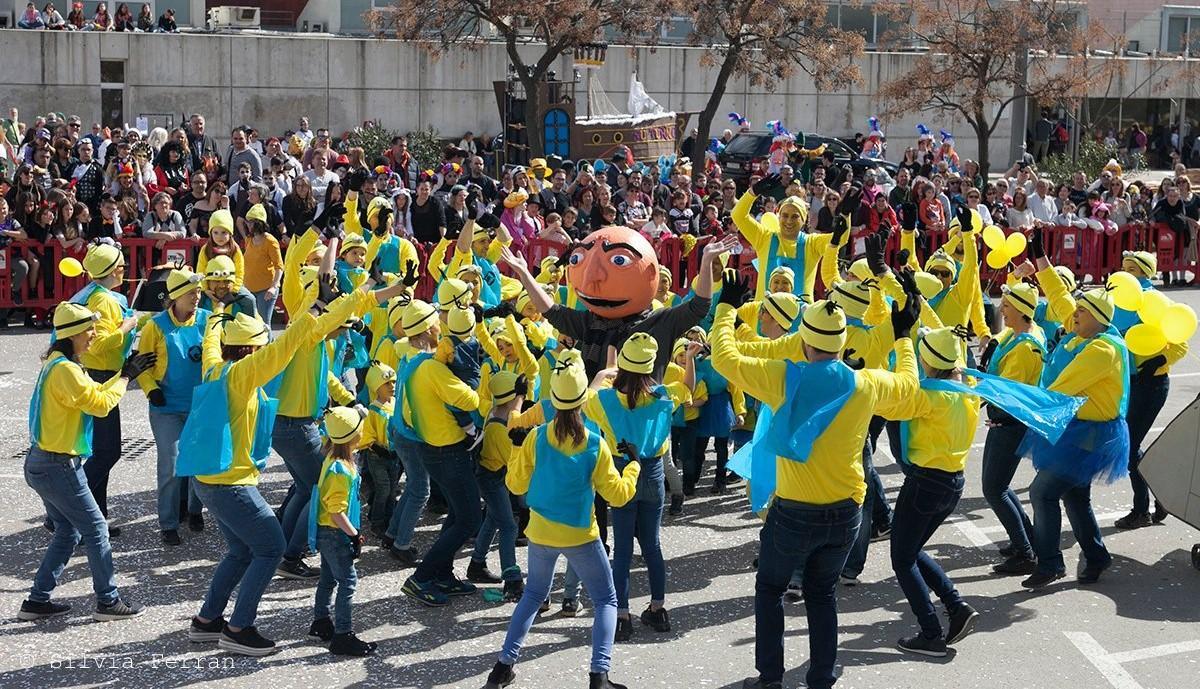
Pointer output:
721, 445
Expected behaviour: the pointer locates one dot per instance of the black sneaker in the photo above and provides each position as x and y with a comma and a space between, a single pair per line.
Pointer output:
732, 479
881, 533
624, 629
600, 680
676, 507
1134, 520
658, 620
1016, 564
405, 556
321, 630
479, 573
501, 676
793, 594
718, 488
32, 610
919, 644
297, 570
171, 537
425, 594
1042, 579
1090, 573
758, 683
48, 525
570, 607
544, 607
962, 621
1009, 550
202, 632
119, 610
513, 590
455, 587
386, 542
350, 645
247, 642
114, 531
196, 522
1160, 513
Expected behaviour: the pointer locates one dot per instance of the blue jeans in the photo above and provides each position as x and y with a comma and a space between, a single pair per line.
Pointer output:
1000, 461
1044, 493
640, 517
814, 539
591, 562
266, 307
881, 511
337, 569
298, 442
415, 495
500, 519
451, 468
255, 547
856, 559
1146, 399
61, 484
167, 428
927, 497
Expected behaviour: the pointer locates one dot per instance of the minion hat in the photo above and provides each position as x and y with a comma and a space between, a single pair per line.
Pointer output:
453, 292
785, 272
418, 317
318, 250
522, 302
378, 374
101, 260
257, 212
342, 424
799, 204
941, 259
480, 232
1099, 303
665, 272
783, 307
244, 329
72, 319
861, 270
568, 384
395, 310
1144, 260
638, 353
1023, 297
352, 241
377, 204
854, 297
700, 333
679, 346
501, 385
824, 326
180, 282
221, 220
516, 198
460, 321
928, 284
942, 349
220, 268
1067, 277
470, 268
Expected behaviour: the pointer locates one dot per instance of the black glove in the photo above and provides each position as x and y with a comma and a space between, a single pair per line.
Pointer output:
156, 397
472, 205
327, 289
517, 436
354, 180
487, 221
841, 225
626, 448
908, 216
410, 274
735, 290
988, 352
380, 450
1036, 248
478, 311
501, 310
375, 272
333, 211
1146, 370
964, 219
851, 201
358, 326
902, 257
854, 362
875, 260
765, 185
381, 230
521, 385
903, 319
357, 541
138, 364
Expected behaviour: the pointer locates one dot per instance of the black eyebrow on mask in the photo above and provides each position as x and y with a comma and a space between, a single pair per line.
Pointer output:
623, 245
583, 245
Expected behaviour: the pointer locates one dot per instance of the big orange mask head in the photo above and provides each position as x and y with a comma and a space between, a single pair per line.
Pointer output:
614, 270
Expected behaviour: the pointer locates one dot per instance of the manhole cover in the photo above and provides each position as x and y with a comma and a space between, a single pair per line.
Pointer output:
131, 448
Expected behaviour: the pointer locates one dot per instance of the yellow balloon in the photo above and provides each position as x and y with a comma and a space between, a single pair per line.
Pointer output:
70, 267
998, 258
993, 237
976, 222
1179, 323
1126, 290
1014, 244
1144, 339
1153, 308
770, 221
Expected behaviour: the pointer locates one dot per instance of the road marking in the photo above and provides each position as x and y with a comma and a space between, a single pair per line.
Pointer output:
978, 535
1109, 664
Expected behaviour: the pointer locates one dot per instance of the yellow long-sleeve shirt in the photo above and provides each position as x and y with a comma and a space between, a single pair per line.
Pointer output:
67, 394
525, 364
1022, 363
760, 238
616, 489
151, 339
497, 449
295, 298
1060, 305
334, 490
262, 262
239, 265
956, 307
375, 425
941, 428
298, 389
833, 471
107, 352
433, 387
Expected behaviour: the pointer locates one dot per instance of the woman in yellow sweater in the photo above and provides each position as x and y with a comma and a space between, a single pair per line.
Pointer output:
60, 425
560, 468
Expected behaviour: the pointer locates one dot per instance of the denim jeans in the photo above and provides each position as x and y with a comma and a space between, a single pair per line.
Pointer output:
856, 559
500, 519
265, 306
416, 494
814, 539
927, 497
1000, 461
61, 484
383, 473
451, 468
881, 511
255, 546
298, 442
641, 517
1146, 399
591, 562
1044, 493
337, 569
106, 448
167, 429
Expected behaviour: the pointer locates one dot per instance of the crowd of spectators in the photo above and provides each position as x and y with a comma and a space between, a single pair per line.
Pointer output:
50, 19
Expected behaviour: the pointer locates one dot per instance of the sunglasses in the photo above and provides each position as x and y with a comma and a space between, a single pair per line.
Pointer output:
941, 273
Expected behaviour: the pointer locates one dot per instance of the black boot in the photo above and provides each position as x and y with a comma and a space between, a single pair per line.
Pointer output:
350, 645
600, 680
501, 676
479, 573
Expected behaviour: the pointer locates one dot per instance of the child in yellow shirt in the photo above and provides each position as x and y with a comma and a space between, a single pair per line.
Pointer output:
383, 465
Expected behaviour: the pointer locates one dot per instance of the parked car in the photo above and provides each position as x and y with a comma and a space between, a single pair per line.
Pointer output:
747, 150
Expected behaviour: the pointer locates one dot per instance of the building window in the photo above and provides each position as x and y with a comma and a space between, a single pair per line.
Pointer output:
876, 27
1180, 30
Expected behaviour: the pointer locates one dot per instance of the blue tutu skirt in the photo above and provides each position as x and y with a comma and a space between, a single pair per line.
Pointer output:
716, 417
1089, 451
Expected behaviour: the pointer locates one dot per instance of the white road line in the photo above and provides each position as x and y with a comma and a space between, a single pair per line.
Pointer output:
978, 535
1156, 651
1109, 664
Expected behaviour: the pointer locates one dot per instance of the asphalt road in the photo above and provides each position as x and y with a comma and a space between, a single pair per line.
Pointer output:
1139, 628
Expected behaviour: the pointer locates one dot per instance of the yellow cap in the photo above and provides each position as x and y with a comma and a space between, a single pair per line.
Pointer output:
480, 232
523, 302
1023, 297
501, 387
783, 307
799, 204
221, 219
181, 281
941, 259
854, 297
377, 204
824, 326
784, 271
928, 284
244, 329
72, 319
378, 374
861, 270
1099, 303
942, 348
1144, 260
418, 317
568, 383
638, 353
352, 241
101, 260
342, 424
468, 268
257, 212
679, 346
395, 309
516, 198
220, 268
460, 322
1068, 278
453, 292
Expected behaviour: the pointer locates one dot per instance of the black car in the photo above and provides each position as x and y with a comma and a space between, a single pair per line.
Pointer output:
747, 149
